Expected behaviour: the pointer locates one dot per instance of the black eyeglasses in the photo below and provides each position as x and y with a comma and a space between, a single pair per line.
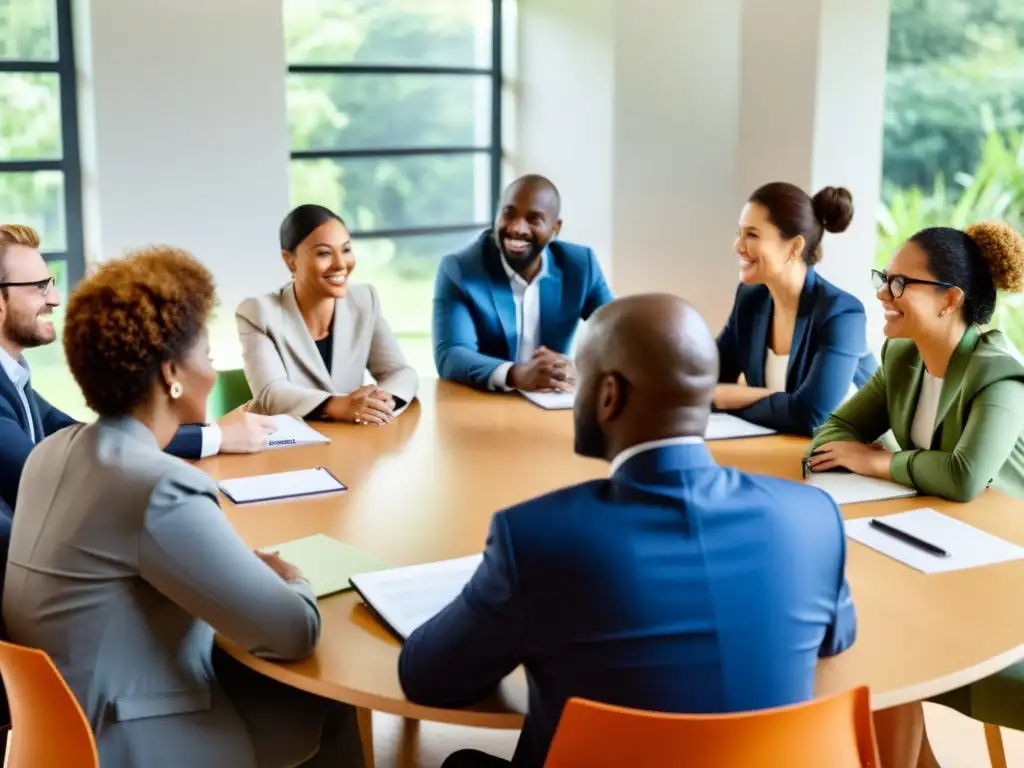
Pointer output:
898, 283
43, 286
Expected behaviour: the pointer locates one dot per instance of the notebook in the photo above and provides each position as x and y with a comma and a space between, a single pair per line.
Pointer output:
281, 485
327, 563
405, 598
848, 488
966, 546
292, 431
551, 401
725, 426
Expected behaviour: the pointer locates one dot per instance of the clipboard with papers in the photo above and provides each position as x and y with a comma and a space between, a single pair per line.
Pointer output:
281, 485
293, 432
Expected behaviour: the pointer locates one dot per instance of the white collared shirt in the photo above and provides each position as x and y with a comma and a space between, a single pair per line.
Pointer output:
526, 296
17, 371
651, 445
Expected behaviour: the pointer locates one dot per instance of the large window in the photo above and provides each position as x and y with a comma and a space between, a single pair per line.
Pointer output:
954, 124
39, 167
394, 108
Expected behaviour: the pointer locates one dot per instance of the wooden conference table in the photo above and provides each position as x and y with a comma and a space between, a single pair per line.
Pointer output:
424, 488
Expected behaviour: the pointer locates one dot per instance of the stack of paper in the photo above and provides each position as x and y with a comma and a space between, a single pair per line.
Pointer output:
848, 488
407, 597
725, 426
551, 401
965, 545
327, 563
292, 431
281, 485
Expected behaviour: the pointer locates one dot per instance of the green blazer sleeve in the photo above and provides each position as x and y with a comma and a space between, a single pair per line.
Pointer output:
993, 427
863, 418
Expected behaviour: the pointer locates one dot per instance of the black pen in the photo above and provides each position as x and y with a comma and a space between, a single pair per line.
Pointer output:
282, 442
907, 538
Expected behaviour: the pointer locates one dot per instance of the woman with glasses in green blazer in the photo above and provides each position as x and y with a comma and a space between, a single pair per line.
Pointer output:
953, 396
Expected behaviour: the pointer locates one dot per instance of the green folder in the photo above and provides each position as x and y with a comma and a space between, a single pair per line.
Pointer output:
326, 562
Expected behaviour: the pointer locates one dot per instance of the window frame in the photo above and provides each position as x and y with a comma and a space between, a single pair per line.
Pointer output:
494, 149
69, 164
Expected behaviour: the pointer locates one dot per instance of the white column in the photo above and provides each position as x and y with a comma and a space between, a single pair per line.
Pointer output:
657, 120
184, 135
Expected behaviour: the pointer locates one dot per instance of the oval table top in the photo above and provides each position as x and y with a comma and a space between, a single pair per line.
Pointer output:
424, 488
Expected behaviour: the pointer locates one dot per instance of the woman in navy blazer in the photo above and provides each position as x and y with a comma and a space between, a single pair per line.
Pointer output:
797, 340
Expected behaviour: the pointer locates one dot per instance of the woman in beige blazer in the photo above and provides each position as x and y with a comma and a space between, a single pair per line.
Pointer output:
306, 347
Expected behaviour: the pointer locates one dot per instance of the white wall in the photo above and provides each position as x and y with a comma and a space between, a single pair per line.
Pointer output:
184, 133
700, 103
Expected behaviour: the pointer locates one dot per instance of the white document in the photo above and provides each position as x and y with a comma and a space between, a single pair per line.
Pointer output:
968, 547
292, 431
408, 597
848, 488
551, 401
725, 426
280, 485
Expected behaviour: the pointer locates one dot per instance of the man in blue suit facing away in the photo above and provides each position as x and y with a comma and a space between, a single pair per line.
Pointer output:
507, 306
675, 585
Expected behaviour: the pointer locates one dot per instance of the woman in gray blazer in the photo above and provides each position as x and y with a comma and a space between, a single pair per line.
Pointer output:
307, 347
122, 565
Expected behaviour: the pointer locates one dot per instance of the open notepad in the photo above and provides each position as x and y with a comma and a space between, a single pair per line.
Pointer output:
965, 545
848, 488
327, 563
281, 485
405, 598
292, 431
551, 401
725, 426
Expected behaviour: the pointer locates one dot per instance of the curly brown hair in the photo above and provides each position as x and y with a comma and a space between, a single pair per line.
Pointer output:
131, 316
1003, 248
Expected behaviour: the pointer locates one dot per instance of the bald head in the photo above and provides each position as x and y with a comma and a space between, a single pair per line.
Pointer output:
648, 368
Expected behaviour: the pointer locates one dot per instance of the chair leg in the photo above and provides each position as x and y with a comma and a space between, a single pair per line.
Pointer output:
994, 742
364, 717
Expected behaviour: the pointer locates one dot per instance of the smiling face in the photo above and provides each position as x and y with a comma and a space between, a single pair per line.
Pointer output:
764, 253
323, 262
921, 308
26, 311
526, 223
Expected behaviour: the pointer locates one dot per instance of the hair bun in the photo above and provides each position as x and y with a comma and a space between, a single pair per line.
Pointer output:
834, 208
1003, 250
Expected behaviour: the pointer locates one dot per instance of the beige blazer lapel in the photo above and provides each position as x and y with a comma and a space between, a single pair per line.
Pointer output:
300, 340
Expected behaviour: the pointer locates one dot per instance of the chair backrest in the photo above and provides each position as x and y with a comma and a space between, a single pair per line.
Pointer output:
230, 391
836, 732
48, 728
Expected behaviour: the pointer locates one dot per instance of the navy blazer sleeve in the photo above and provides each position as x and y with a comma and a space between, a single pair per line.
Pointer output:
456, 345
728, 356
187, 442
15, 446
599, 293
843, 631
462, 654
841, 342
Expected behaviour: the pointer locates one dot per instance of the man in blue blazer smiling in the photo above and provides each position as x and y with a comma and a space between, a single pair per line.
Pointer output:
507, 306
674, 585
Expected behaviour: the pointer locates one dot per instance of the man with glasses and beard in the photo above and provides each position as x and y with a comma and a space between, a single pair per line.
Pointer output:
28, 297
675, 585
507, 306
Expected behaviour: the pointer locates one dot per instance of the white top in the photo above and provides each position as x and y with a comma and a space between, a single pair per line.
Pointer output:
923, 426
651, 445
17, 371
526, 296
775, 368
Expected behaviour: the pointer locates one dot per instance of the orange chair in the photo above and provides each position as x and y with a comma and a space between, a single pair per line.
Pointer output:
48, 728
836, 732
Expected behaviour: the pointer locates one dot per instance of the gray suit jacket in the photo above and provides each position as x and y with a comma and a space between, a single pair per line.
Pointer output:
121, 567
283, 366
